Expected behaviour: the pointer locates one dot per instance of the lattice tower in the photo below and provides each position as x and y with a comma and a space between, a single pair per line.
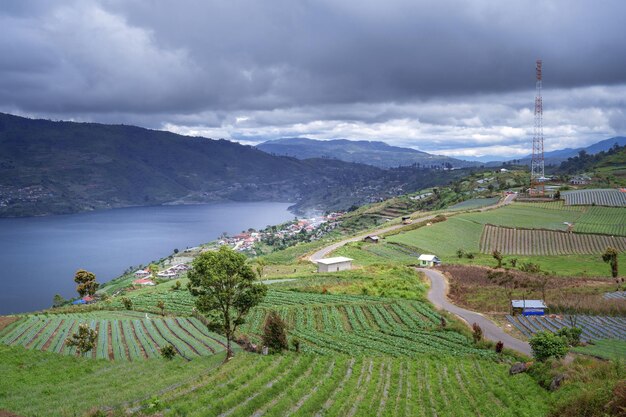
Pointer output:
537, 171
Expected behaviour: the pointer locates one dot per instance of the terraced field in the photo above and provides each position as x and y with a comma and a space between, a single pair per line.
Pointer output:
616, 295
327, 324
313, 385
594, 327
528, 215
607, 349
599, 197
545, 242
118, 339
605, 220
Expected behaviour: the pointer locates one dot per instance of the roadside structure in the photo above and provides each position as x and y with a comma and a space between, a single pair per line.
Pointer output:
528, 307
427, 260
335, 264
371, 239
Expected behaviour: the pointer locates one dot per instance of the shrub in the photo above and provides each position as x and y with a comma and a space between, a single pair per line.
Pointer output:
499, 347
477, 333
128, 303
274, 335
168, 352
296, 344
546, 345
571, 335
469, 255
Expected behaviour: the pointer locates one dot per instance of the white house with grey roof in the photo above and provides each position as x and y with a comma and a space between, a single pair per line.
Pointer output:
336, 264
427, 260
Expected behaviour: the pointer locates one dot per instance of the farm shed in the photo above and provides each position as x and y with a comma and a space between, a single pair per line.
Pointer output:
428, 260
371, 239
406, 220
142, 273
336, 264
529, 307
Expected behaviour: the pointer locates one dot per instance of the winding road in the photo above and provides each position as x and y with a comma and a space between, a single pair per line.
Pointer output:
438, 296
439, 287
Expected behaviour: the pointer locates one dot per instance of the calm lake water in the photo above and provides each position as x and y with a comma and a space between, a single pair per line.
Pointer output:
39, 255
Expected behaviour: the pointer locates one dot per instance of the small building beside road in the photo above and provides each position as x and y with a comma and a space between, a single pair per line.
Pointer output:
336, 264
371, 239
528, 307
428, 261
406, 220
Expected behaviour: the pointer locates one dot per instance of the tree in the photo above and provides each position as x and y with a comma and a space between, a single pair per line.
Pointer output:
86, 281
477, 333
460, 253
547, 344
58, 300
499, 347
161, 305
84, 340
128, 303
168, 352
497, 255
571, 335
274, 335
610, 256
506, 280
226, 290
260, 266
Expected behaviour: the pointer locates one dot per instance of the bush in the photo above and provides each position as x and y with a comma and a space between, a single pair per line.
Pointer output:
274, 335
477, 333
546, 345
571, 335
499, 347
168, 352
128, 303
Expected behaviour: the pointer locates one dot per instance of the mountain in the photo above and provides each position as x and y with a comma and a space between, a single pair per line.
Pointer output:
51, 167
558, 156
373, 153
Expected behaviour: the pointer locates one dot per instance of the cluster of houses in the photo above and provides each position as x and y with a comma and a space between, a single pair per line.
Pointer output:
245, 241
144, 275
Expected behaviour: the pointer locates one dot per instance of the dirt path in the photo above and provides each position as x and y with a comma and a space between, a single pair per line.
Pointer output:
316, 256
438, 296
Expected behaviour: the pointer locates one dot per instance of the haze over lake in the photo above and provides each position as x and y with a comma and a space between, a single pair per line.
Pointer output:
39, 255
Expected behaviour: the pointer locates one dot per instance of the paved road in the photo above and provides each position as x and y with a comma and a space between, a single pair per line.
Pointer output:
328, 249
438, 296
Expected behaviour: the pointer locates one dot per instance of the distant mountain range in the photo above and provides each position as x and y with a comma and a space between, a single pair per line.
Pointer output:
65, 167
373, 153
558, 156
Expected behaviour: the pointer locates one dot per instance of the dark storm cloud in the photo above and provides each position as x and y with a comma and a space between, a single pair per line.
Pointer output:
262, 69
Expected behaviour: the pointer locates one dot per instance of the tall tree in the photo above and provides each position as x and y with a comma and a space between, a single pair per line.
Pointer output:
226, 289
84, 340
610, 256
86, 281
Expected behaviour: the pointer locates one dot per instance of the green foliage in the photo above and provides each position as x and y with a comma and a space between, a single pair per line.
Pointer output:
225, 286
497, 255
58, 300
128, 303
86, 281
571, 335
547, 345
610, 256
274, 333
168, 352
84, 340
477, 333
177, 286
161, 306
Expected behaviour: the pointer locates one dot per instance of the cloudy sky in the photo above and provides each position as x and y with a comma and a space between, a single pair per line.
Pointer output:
449, 77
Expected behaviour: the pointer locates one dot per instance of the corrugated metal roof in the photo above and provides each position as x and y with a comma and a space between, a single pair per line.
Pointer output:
528, 304
425, 257
336, 260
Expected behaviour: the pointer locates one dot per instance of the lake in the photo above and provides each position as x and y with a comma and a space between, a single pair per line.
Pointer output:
39, 255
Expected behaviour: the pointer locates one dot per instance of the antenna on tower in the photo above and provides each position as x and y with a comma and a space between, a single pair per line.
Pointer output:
537, 172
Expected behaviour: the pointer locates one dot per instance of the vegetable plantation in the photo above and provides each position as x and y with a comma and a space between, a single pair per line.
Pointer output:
327, 324
118, 339
593, 327
313, 385
604, 220
474, 203
545, 242
607, 349
599, 197
615, 295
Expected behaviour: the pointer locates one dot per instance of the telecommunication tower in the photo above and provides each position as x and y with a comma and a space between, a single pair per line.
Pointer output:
537, 172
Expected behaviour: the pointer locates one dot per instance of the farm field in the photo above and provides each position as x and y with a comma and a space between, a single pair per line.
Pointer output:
474, 203
437, 238
545, 242
308, 385
600, 197
374, 253
594, 327
616, 295
329, 324
527, 215
118, 339
605, 220
606, 348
